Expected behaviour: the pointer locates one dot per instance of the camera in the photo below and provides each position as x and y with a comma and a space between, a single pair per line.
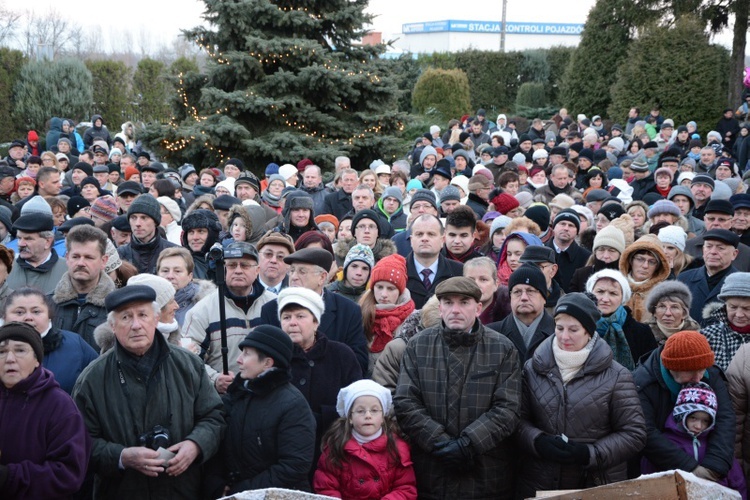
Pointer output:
156, 438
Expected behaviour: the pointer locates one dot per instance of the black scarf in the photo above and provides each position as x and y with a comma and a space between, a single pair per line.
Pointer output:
461, 338
52, 340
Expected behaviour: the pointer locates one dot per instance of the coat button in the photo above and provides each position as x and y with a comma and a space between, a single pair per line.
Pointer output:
311, 363
302, 381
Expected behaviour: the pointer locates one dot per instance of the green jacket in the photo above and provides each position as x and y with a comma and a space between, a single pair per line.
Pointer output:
179, 397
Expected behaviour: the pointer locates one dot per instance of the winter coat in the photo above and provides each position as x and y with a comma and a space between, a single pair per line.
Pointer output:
485, 410
546, 193
96, 133
337, 203
44, 277
43, 439
271, 449
643, 186
658, 402
180, 397
341, 321
144, 255
509, 328
82, 319
191, 296
697, 281
369, 472
53, 135
419, 294
499, 309
340, 288
599, 406
575, 257
397, 220
738, 381
724, 341
388, 364
694, 247
477, 204
318, 194
66, 355
637, 302
203, 325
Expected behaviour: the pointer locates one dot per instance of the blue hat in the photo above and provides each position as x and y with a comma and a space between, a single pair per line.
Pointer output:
271, 169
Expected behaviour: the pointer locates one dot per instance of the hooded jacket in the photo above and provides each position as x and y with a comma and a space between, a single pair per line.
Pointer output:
66, 355
55, 129
637, 302
201, 218
83, 319
144, 255
96, 133
397, 219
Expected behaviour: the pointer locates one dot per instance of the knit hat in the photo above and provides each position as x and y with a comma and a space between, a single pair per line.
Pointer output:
681, 191
361, 253
271, 341
673, 235
172, 207
365, 387
147, 205
504, 203
462, 182
539, 153
227, 184
664, 171
271, 169
703, 179
672, 288
104, 207
414, 184
562, 201
529, 274
428, 150
287, 170
499, 223
393, 192
450, 193
614, 275
37, 205
331, 219
582, 308
113, 262
84, 167
695, 397
310, 300
420, 195
164, 289
366, 214
664, 207
610, 236
612, 210
539, 213
524, 199
567, 215
23, 332
75, 205
90, 180
722, 191
639, 164
391, 269
735, 285
687, 351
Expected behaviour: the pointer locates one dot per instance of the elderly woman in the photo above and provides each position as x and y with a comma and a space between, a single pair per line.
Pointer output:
726, 324
628, 339
66, 353
669, 306
176, 265
45, 445
685, 357
645, 265
320, 367
738, 380
580, 415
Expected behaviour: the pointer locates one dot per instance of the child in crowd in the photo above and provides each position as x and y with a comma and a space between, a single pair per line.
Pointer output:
691, 422
363, 455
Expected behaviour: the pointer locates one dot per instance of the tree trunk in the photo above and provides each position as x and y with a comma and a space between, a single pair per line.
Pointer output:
737, 64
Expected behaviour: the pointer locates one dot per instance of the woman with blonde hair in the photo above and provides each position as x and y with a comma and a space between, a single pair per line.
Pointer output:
50, 160
369, 179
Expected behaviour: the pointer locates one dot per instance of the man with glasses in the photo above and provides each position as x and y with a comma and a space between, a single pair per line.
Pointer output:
243, 298
341, 320
273, 248
719, 215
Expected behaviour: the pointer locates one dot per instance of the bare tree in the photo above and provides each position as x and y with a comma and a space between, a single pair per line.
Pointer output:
9, 24
51, 29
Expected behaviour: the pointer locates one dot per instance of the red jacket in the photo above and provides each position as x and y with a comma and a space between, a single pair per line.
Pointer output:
368, 473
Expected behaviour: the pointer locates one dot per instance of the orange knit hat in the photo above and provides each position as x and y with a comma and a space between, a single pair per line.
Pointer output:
391, 269
687, 351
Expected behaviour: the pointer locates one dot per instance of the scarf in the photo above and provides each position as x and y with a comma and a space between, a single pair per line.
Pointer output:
556, 190
569, 363
461, 338
740, 329
503, 272
387, 319
271, 200
167, 328
185, 295
668, 332
366, 439
610, 329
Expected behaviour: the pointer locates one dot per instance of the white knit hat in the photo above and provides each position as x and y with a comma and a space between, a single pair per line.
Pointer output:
612, 275
304, 297
364, 387
228, 184
461, 181
540, 153
685, 175
172, 207
287, 170
610, 236
164, 289
673, 235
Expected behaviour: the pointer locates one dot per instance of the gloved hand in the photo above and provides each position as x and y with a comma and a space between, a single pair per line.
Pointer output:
455, 452
580, 453
553, 448
704, 473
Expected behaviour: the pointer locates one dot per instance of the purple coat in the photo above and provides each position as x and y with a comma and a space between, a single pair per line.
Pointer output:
679, 436
43, 440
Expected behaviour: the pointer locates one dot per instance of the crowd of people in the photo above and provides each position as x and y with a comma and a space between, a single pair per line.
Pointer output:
499, 312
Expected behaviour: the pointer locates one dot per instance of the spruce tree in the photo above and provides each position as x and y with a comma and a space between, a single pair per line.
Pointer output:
286, 79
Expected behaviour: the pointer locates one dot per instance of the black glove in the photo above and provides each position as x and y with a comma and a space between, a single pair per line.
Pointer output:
456, 453
580, 453
553, 448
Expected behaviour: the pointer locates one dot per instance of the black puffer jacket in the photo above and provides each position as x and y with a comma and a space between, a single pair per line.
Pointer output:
270, 437
144, 255
658, 402
599, 406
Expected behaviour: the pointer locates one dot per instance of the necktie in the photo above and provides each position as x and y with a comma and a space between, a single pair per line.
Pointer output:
426, 280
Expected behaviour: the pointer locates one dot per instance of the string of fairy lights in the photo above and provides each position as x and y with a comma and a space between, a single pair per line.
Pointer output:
192, 112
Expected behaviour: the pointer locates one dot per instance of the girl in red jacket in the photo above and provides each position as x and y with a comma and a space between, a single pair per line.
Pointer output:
363, 456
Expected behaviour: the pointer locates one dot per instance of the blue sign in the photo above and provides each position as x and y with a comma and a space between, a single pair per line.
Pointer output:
493, 27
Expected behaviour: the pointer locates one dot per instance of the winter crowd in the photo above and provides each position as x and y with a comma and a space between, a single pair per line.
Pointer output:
498, 313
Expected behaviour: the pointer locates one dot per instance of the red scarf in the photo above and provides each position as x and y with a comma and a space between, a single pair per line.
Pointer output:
386, 322
663, 192
740, 329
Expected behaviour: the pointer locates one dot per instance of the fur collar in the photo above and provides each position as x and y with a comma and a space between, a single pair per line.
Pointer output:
711, 309
383, 248
65, 292
205, 287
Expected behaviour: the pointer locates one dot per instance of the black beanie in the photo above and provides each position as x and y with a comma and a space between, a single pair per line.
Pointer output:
569, 215
271, 341
529, 274
23, 332
539, 214
582, 308
146, 204
82, 165
366, 214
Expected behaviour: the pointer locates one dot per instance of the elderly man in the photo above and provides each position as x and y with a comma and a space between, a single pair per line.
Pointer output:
339, 203
342, 319
146, 243
273, 248
80, 294
158, 396
458, 399
558, 183
719, 215
312, 184
38, 264
243, 298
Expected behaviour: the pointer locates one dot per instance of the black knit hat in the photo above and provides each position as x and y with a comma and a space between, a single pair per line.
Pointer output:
90, 180
201, 218
23, 332
529, 274
423, 195
271, 341
582, 308
539, 214
82, 165
569, 215
366, 214
76, 204
147, 205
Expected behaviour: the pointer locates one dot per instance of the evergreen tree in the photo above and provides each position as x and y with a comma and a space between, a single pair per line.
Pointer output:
11, 62
286, 80
111, 81
593, 66
150, 90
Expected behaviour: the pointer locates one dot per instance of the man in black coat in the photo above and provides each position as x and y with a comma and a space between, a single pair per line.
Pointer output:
570, 256
339, 203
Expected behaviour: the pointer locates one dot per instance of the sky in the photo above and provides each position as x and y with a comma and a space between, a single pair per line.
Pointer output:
158, 22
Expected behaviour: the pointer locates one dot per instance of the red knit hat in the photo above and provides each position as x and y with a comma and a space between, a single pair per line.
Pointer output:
391, 269
26, 179
131, 171
32, 135
304, 163
687, 351
504, 203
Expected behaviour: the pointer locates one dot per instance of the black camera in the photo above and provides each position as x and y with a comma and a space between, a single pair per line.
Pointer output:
156, 438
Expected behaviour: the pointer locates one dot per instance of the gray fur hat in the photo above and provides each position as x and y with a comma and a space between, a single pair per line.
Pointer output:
673, 289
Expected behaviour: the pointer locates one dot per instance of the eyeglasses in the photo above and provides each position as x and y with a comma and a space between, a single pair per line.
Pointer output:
301, 271
270, 255
367, 227
662, 308
645, 261
18, 352
362, 413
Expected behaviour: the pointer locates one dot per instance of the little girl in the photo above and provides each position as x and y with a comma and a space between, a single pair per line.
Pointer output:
363, 456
